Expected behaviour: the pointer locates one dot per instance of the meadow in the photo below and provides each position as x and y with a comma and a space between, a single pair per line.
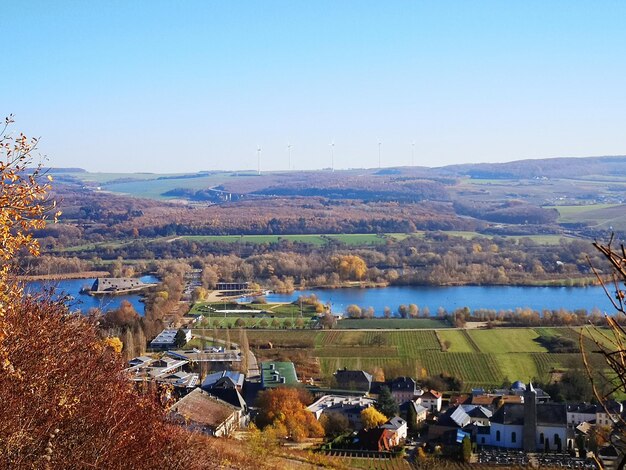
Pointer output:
606, 216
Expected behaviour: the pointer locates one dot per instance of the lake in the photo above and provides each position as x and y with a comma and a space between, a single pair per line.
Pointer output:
84, 302
451, 298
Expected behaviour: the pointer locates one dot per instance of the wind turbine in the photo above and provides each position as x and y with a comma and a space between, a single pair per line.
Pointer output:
332, 156
258, 158
413, 153
289, 153
379, 145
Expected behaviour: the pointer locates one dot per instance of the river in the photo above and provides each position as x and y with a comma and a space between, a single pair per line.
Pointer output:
451, 298
84, 302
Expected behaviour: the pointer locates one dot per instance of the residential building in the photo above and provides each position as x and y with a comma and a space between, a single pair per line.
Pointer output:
608, 413
353, 380
578, 413
199, 411
399, 427
421, 412
403, 389
432, 400
447, 424
376, 439
348, 406
222, 377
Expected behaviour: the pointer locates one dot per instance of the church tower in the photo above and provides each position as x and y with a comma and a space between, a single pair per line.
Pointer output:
530, 419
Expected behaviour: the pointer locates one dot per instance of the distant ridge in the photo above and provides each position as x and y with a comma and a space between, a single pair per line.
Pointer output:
557, 167
64, 170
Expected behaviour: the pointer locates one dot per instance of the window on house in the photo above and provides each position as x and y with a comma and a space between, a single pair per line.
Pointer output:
513, 437
498, 436
541, 438
482, 440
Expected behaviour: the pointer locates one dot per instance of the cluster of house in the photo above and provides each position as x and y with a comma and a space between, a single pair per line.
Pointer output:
354, 391
521, 417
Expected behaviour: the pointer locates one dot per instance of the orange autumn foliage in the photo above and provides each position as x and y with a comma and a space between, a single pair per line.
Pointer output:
284, 406
66, 402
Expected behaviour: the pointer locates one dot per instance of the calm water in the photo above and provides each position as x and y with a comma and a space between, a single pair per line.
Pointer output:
84, 302
450, 298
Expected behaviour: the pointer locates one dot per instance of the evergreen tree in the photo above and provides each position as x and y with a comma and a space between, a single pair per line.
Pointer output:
411, 418
386, 404
466, 449
180, 339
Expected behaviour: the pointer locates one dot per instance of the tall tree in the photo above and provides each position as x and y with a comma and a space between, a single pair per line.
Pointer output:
180, 339
385, 403
129, 344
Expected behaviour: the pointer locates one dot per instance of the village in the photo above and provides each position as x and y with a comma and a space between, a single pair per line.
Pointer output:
215, 391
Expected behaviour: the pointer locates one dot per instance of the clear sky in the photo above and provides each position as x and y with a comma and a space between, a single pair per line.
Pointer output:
167, 86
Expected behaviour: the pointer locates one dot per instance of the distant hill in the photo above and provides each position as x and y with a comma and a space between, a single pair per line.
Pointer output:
563, 167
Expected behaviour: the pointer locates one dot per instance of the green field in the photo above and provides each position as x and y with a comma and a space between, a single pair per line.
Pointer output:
477, 357
459, 341
311, 239
571, 213
350, 239
595, 215
506, 340
154, 188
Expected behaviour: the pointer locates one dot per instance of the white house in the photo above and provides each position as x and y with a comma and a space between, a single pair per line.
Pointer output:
580, 413
399, 427
431, 399
614, 409
348, 406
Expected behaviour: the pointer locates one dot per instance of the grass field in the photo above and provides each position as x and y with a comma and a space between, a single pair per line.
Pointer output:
459, 341
595, 215
507, 340
154, 188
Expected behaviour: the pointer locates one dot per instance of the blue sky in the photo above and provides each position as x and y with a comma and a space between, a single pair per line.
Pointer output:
196, 85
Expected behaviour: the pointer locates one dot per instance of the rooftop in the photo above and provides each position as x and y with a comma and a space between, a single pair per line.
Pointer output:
278, 373
202, 408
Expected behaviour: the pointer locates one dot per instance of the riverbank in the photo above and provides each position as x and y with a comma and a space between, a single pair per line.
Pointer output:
66, 276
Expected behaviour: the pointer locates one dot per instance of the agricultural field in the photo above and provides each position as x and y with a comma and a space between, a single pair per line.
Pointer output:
155, 188
506, 340
596, 215
458, 340
477, 357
